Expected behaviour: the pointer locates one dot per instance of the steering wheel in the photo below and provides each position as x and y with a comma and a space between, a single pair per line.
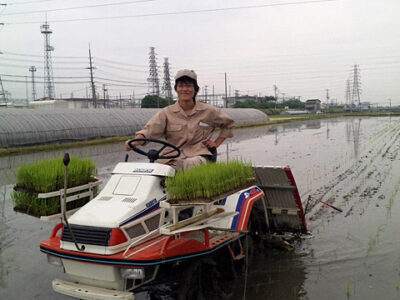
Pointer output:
153, 154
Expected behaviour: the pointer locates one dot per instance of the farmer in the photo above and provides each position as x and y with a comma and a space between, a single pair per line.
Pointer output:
187, 124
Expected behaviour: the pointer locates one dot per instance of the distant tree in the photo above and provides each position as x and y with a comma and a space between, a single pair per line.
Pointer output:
246, 104
152, 101
294, 104
268, 102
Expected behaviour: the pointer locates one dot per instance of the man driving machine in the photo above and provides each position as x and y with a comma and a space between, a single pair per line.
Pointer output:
187, 124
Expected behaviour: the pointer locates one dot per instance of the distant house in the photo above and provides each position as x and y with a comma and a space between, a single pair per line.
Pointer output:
313, 105
365, 106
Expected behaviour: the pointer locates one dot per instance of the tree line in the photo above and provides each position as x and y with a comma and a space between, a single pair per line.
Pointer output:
264, 103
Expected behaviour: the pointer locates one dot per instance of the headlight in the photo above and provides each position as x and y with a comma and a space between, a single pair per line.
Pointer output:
55, 261
132, 273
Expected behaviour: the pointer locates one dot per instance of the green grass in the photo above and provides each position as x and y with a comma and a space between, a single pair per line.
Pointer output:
47, 176
209, 180
57, 146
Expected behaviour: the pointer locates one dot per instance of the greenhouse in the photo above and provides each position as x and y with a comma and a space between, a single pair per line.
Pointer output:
24, 127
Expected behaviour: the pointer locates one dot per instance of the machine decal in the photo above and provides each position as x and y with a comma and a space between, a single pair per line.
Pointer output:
151, 203
143, 170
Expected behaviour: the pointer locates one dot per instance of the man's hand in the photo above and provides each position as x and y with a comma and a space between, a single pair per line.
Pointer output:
211, 144
134, 144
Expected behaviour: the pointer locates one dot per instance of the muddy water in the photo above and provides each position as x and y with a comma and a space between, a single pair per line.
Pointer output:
352, 163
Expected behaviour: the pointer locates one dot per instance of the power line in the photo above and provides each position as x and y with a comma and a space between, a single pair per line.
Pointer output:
118, 68
118, 62
57, 77
114, 84
43, 82
178, 12
27, 66
28, 2
80, 77
76, 7
115, 75
39, 61
37, 55
121, 81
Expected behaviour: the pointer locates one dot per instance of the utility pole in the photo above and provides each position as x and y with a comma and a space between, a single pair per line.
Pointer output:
32, 69
26, 90
205, 93
91, 79
213, 96
348, 95
327, 97
226, 93
2, 93
276, 94
236, 95
104, 95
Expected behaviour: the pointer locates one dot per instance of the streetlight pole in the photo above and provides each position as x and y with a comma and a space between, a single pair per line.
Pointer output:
2, 93
226, 92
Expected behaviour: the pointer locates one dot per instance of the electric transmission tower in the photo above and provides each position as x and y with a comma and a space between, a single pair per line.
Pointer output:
154, 85
166, 88
32, 69
356, 86
49, 90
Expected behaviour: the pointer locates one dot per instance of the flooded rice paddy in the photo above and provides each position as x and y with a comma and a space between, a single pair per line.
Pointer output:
351, 163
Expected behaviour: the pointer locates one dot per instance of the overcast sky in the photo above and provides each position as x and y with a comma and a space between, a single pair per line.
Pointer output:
302, 47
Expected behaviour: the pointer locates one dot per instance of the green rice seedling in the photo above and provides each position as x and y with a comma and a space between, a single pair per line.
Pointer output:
348, 289
47, 176
391, 198
209, 180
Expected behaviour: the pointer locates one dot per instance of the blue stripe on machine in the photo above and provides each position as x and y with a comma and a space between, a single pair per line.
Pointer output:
242, 199
155, 205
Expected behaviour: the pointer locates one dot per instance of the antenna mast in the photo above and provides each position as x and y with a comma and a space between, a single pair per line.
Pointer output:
49, 90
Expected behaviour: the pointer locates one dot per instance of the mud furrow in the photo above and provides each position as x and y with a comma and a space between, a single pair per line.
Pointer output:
355, 188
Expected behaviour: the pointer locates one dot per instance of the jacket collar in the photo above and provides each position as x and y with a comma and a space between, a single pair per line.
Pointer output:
197, 107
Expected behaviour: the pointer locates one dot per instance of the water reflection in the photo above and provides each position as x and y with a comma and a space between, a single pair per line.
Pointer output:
353, 127
274, 275
3, 229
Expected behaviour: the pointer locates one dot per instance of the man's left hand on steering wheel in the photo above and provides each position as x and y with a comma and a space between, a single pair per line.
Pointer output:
152, 154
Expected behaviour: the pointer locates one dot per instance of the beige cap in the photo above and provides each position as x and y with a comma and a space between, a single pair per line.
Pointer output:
185, 72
